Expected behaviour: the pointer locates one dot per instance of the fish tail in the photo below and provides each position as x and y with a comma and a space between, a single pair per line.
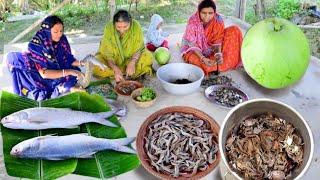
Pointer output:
123, 141
107, 114
103, 116
124, 149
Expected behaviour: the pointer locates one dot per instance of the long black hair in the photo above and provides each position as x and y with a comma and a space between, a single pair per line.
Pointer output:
207, 4
122, 16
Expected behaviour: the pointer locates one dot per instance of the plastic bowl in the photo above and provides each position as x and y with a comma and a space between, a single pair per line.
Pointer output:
169, 73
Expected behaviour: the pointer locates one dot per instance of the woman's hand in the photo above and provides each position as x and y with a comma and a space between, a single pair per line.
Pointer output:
118, 75
131, 68
79, 75
207, 61
218, 58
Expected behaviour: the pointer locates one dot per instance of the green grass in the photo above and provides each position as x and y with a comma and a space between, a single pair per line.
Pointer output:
12, 29
171, 13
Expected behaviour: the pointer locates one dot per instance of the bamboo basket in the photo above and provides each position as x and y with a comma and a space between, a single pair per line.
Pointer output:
183, 109
145, 104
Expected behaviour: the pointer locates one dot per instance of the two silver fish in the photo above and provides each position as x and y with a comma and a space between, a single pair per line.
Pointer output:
71, 146
48, 118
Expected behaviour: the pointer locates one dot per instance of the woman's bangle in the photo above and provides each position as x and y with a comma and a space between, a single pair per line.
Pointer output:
63, 73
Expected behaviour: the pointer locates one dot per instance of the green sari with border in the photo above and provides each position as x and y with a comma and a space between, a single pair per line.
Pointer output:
121, 49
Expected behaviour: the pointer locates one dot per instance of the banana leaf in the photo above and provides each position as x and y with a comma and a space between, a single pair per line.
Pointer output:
29, 168
104, 164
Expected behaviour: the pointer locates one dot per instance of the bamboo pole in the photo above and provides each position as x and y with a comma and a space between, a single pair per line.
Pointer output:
34, 25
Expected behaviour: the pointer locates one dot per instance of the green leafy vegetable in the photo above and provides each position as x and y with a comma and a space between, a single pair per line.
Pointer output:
147, 94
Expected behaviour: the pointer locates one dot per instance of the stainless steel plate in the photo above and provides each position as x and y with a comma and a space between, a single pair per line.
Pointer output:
210, 95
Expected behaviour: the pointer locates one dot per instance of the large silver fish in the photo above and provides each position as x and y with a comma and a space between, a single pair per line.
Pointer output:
91, 58
48, 118
71, 146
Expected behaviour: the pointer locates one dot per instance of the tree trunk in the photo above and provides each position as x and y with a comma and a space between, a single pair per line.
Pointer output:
2, 6
241, 9
260, 9
112, 7
2, 10
24, 6
130, 5
137, 2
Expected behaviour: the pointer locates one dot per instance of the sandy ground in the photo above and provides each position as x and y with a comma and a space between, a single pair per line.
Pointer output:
300, 96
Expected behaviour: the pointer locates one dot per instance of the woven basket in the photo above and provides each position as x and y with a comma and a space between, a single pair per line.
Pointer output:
145, 104
126, 83
183, 109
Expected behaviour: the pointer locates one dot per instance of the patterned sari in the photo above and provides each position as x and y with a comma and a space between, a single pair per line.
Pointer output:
121, 49
42, 53
202, 38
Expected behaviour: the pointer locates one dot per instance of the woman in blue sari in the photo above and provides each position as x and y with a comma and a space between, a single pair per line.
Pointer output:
48, 69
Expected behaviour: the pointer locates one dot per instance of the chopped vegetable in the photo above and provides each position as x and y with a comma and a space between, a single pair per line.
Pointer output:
147, 94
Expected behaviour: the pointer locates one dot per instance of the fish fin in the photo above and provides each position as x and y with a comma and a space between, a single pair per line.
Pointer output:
123, 141
107, 123
71, 127
87, 155
55, 158
124, 149
86, 134
107, 114
48, 135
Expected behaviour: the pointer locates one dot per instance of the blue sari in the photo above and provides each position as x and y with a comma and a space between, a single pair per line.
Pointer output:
42, 53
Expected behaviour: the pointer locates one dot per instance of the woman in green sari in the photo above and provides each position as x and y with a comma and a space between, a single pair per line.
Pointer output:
122, 49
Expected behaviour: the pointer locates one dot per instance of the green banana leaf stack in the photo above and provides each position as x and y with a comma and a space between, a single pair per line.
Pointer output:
105, 164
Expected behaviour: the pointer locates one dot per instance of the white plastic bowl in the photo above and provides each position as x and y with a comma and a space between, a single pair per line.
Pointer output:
173, 71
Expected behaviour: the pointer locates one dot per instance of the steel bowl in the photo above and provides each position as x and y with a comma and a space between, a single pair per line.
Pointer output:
209, 94
259, 106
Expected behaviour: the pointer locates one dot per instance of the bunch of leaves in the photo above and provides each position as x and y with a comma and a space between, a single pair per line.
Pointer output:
75, 15
286, 8
147, 94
